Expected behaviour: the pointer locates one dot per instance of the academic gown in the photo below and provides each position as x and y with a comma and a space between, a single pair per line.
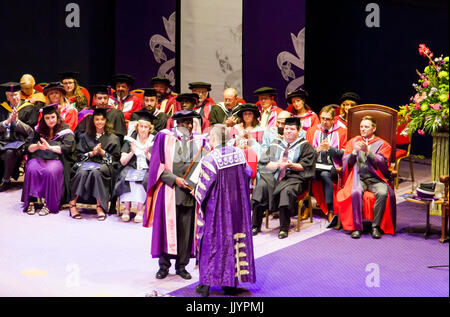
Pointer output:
284, 193
205, 108
159, 123
352, 209
114, 116
27, 113
224, 223
66, 140
99, 183
122, 186
18, 132
309, 119
337, 137
160, 209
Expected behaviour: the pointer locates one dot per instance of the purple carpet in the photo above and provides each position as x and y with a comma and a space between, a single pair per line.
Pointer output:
334, 265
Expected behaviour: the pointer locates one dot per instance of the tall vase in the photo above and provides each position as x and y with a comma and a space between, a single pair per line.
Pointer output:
439, 158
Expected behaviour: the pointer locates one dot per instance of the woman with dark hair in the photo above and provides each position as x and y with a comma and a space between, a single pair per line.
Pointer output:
131, 184
299, 108
50, 156
98, 153
73, 91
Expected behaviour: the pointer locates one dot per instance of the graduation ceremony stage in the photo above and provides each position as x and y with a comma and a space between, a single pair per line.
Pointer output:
57, 256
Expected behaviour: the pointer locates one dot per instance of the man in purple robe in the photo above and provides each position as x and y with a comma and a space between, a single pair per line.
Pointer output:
224, 227
171, 208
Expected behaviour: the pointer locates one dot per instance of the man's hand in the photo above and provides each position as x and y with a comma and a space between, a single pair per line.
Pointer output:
14, 116
181, 183
324, 146
231, 121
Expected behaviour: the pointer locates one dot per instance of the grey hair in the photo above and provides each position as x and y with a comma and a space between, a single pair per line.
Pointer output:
220, 132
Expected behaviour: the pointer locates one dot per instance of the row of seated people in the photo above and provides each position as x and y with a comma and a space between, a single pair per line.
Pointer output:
241, 136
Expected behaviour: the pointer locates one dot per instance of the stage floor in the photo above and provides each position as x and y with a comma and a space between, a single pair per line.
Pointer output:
57, 256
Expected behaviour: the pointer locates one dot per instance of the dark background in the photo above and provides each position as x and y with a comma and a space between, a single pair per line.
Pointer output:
342, 53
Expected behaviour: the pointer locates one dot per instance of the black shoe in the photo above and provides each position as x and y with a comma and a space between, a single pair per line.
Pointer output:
162, 274
255, 231
356, 234
184, 274
376, 234
4, 186
333, 222
228, 290
202, 290
282, 235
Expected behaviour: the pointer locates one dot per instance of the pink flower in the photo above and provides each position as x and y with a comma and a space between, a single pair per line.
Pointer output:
418, 98
421, 132
417, 106
436, 106
425, 84
407, 108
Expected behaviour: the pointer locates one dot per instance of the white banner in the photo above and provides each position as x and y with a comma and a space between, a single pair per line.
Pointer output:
211, 45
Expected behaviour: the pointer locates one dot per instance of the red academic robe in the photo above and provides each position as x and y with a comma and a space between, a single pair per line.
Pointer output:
337, 140
309, 119
354, 206
206, 106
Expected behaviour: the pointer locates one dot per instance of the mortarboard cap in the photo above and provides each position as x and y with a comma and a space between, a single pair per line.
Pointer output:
10, 87
160, 80
144, 115
248, 107
99, 112
185, 114
69, 75
350, 96
149, 92
192, 97
123, 78
49, 109
293, 121
99, 89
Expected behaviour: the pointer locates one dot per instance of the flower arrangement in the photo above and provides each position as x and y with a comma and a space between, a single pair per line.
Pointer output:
428, 110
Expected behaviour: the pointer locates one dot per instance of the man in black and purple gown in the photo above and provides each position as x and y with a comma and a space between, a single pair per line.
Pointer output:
224, 228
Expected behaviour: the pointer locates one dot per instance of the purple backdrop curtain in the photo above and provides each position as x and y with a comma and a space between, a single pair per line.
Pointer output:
273, 47
145, 42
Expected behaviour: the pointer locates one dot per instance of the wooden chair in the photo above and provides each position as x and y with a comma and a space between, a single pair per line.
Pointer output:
401, 154
445, 206
387, 130
305, 196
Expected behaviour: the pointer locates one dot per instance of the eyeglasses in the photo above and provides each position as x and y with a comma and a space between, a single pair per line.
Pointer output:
66, 83
326, 119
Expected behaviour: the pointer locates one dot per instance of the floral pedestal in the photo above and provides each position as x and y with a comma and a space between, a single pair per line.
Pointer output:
439, 158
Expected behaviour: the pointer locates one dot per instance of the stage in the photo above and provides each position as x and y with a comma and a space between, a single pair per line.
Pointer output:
57, 256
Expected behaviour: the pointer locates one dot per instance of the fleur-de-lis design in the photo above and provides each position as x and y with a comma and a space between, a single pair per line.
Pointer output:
157, 44
285, 60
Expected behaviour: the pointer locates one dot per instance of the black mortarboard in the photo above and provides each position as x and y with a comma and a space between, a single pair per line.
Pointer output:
248, 107
160, 80
11, 87
149, 92
54, 86
199, 84
99, 111
99, 89
123, 78
265, 91
192, 97
144, 115
185, 114
49, 109
292, 121
69, 75
350, 96
297, 93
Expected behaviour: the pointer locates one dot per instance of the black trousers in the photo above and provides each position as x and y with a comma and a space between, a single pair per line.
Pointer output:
185, 234
10, 160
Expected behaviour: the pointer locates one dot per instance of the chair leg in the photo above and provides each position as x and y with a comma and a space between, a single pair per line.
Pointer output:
299, 215
397, 167
310, 209
118, 207
411, 169
267, 219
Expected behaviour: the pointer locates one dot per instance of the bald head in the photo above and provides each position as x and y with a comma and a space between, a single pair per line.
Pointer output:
230, 98
282, 116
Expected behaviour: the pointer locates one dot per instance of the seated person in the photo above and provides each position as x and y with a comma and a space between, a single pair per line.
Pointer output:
100, 95
151, 107
225, 112
50, 157
267, 105
347, 101
299, 108
166, 98
73, 90
122, 99
287, 167
29, 95
366, 159
28, 114
328, 139
205, 102
98, 154
13, 134
55, 94
136, 153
